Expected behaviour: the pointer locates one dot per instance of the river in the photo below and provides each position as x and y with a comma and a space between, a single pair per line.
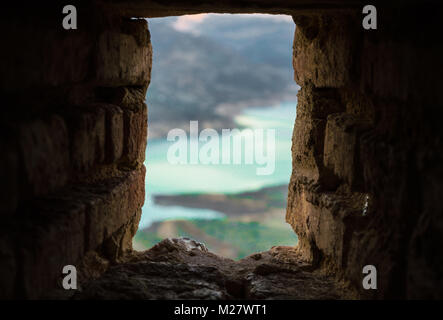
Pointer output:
164, 178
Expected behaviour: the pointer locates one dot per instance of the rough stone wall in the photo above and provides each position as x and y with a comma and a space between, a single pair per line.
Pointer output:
74, 130
367, 175
367, 147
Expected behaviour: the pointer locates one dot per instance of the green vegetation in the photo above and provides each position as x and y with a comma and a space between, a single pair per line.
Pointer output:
245, 237
147, 239
275, 196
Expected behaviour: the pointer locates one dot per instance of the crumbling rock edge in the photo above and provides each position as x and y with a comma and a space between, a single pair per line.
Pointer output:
185, 269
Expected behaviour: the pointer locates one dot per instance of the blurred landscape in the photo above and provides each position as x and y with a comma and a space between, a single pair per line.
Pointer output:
254, 222
211, 71
226, 71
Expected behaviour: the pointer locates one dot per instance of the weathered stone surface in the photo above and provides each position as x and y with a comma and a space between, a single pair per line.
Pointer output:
143, 280
282, 285
136, 126
307, 156
62, 226
322, 221
65, 143
99, 52
357, 196
184, 269
365, 201
44, 150
341, 147
149, 8
132, 98
124, 59
114, 133
324, 50
120, 242
313, 107
87, 132
318, 103
92, 267
112, 204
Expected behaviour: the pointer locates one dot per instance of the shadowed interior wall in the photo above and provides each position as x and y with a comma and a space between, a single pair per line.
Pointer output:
367, 151
74, 137
367, 148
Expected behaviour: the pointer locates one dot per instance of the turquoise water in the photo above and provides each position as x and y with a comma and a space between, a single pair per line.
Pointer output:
165, 178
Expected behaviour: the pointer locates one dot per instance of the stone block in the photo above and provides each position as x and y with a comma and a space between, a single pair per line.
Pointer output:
132, 98
314, 105
87, 132
124, 59
323, 51
136, 126
44, 149
112, 204
323, 221
114, 133
307, 147
97, 54
341, 147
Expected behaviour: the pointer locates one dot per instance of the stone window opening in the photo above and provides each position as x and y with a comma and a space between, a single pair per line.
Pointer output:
366, 178
266, 218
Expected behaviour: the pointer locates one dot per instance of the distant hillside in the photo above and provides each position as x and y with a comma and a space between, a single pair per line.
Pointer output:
261, 40
229, 238
245, 203
193, 75
253, 222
